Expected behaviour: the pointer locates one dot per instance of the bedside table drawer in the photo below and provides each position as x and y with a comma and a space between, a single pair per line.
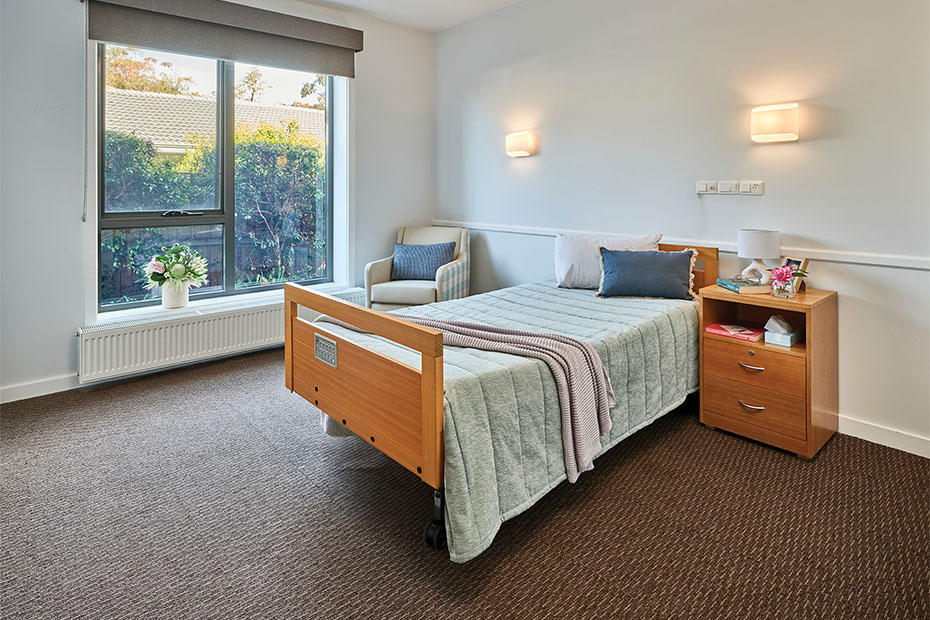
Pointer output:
777, 412
766, 369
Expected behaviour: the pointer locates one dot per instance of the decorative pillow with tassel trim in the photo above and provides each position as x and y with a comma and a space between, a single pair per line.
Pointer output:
646, 273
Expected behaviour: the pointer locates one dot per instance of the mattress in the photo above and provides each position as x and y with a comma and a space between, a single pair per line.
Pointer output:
502, 424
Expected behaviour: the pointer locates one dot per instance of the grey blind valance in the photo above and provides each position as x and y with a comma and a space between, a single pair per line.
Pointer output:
228, 31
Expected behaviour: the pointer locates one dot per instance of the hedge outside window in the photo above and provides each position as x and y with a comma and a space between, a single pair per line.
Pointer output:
230, 159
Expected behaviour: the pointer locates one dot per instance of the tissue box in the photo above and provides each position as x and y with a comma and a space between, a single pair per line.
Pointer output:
785, 340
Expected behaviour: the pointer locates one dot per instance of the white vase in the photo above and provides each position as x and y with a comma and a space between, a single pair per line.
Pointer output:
175, 294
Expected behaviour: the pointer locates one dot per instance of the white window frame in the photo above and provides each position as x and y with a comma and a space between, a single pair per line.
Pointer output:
343, 198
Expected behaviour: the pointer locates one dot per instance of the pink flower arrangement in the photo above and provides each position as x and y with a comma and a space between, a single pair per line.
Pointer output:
783, 279
783, 275
157, 267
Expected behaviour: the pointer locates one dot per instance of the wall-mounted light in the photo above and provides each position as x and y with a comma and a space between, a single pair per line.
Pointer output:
775, 123
521, 144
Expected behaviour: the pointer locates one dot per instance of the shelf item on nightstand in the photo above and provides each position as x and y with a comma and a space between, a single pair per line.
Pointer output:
783, 340
785, 396
779, 331
744, 286
739, 332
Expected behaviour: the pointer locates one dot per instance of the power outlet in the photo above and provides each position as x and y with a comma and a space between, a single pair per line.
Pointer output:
751, 188
706, 187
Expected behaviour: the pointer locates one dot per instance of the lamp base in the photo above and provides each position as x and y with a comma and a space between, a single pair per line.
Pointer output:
759, 267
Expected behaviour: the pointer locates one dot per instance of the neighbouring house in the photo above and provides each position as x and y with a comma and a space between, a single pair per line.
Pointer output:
168, 121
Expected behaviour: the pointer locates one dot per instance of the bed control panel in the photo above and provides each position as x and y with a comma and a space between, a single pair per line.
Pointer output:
325, 350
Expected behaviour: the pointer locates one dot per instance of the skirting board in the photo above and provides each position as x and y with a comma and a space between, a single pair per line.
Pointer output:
41, 387
885, 436
64, 383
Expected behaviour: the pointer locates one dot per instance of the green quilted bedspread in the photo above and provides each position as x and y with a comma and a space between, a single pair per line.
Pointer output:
503, 446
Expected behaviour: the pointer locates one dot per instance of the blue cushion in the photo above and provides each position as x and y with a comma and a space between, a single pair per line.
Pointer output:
628, 273
420, 262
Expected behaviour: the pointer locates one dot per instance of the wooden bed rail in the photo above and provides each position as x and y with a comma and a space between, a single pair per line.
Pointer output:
392, 405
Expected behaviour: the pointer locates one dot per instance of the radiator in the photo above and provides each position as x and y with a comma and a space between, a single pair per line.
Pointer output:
119, 348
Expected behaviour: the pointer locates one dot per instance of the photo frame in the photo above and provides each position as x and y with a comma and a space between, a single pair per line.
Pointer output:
797, 263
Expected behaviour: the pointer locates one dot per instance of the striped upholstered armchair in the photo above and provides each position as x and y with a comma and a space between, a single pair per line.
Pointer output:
382, 293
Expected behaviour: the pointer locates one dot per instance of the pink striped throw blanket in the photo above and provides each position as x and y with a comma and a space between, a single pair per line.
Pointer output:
585, 393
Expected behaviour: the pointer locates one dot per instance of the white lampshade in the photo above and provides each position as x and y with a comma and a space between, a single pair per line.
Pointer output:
758, 243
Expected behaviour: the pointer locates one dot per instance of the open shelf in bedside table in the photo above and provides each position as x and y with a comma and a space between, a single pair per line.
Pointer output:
749, 312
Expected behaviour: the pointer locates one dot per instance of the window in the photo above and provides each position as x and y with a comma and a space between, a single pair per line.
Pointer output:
230, 159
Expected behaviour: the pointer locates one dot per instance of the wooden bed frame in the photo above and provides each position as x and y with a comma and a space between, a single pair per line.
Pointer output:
390, 404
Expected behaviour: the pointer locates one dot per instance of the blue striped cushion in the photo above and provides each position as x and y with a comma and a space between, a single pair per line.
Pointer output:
420, 262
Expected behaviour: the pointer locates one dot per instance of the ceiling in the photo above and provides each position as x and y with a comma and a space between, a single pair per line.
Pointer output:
429, 15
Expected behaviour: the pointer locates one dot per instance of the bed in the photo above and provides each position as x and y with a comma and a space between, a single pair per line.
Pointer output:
483, 428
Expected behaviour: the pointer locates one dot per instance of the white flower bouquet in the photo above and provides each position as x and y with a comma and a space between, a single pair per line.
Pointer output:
176, 269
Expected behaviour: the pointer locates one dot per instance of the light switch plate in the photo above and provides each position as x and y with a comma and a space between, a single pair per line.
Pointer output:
727, 187
706, 187
751, 188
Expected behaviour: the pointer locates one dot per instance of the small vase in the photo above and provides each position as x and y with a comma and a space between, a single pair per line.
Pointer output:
175, 294
781, 289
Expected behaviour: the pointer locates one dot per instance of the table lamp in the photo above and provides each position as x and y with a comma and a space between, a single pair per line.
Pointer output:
758, 244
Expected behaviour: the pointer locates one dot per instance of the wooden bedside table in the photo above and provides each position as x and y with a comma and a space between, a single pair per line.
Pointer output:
784, 396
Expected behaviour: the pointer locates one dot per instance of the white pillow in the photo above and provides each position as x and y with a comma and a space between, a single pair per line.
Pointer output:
577, 259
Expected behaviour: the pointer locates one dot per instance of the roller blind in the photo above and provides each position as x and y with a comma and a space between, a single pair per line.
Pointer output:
228, 31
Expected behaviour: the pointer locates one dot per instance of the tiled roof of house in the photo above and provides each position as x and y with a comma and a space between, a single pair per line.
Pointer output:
167, 120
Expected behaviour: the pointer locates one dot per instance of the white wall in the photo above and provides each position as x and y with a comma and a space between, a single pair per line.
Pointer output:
42, 179
636, 101
394, 138
42, 125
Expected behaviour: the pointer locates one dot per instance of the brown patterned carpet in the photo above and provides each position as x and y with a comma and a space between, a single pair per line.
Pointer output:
209, 492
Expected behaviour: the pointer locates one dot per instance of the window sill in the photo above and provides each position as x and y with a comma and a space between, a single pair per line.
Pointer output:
213, 305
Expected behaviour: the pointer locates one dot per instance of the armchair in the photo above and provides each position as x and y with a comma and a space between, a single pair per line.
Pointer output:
382, 293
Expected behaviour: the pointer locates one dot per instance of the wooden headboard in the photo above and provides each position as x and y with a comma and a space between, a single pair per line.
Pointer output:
706, 270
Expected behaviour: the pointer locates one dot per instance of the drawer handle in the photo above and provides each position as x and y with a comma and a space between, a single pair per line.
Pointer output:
748, 367
753, 407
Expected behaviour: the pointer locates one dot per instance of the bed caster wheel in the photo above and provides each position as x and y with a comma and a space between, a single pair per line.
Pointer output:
435, 534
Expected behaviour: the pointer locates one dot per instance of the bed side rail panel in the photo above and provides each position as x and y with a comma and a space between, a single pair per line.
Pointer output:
374, 397
391, 405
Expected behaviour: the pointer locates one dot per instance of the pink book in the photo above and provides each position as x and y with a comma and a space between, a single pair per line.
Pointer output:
735, 331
